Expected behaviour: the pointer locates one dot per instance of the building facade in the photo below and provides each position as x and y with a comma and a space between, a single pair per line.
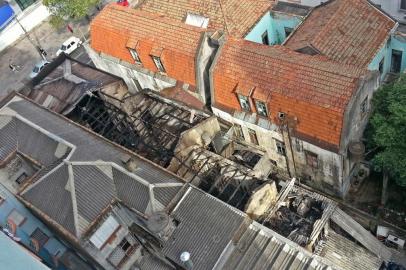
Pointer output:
267, 98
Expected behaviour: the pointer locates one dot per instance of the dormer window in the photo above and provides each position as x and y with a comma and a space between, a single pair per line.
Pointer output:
197, 20
244, 103
261, 108
135, 55
158, 63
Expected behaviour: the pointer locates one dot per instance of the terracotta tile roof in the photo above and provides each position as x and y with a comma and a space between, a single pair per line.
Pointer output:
235, 17
117, 28
311, 88
179, 94
348, 31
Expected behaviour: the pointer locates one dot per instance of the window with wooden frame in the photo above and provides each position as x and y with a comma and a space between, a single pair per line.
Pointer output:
312, 159
364, 107
261, 108
238, 131
253, 136
244, 103
38, 239
280, 148
158, 63
135, 55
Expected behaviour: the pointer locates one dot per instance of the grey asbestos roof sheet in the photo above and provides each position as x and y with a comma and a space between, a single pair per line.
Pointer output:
8, 136
258, 249
94, 190
206, 226
341, 252
135, 194
76, 185
52, 198
89, 147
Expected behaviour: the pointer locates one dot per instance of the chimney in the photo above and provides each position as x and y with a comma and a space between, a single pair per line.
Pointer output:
186, 261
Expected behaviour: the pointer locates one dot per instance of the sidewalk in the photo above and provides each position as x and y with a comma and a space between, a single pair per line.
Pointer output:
24, 54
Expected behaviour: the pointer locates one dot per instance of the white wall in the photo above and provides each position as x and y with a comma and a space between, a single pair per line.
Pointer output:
30, 18
129, 73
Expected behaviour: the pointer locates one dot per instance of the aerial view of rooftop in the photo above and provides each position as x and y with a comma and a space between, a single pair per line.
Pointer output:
203, 134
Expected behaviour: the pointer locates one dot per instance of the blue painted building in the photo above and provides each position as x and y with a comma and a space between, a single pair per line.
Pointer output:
388, 57
15, 257
392, 57
273, 28
33, 234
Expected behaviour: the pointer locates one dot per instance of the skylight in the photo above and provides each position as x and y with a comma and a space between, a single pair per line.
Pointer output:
197, 20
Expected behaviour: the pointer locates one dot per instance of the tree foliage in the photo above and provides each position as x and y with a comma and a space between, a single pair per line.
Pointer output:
64, 10
387, 130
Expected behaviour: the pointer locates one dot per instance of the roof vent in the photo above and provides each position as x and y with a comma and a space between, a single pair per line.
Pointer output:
197, 20
185, 259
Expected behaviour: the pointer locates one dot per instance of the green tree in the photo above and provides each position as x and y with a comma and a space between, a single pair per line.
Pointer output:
387, 130
63, 10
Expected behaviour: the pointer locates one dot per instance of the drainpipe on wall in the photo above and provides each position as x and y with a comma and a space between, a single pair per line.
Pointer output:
290, 159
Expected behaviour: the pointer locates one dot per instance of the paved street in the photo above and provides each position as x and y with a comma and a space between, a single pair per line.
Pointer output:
24, 54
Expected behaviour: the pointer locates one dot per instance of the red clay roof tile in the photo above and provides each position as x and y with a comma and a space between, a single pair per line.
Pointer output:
117, 28
311, 88
235, 17
348, 31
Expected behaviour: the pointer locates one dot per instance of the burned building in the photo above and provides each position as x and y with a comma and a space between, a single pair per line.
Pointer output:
143, 216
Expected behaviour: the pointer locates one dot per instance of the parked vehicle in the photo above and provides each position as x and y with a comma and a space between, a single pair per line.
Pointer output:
38, 67
69, 45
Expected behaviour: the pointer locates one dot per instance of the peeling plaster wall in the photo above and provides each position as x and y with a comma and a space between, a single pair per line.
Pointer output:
193, 137
274, 24
328, 176
204, 59
134, 76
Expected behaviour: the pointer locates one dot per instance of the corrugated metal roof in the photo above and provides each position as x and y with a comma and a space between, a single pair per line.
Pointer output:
206, 226
86, 181
261, 248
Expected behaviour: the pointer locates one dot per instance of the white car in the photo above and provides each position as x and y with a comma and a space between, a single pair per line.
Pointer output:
38, 67
69, 45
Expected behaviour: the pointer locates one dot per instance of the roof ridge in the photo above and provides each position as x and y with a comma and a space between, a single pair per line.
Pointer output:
71, 181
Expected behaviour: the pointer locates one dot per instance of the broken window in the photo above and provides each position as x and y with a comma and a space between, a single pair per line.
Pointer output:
364, 107
197, 20
288, 31
381, 65
244, 103
261, 108
312, 159
299, 145
280, 148
158, 63
265, 39
238, 131
135, 55
38, 239
403, 4
253, 136
396, 61
123, 251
